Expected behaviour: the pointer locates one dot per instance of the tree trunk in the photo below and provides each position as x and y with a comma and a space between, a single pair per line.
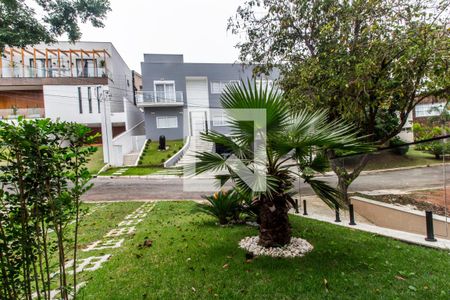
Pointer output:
343, 188
274, 227
346, 178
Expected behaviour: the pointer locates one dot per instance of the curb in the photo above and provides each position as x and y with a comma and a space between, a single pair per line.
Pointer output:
329, 174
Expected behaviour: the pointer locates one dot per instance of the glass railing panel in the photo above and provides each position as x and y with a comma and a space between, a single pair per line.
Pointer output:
398, 186
52, 72
160, 97
28, 113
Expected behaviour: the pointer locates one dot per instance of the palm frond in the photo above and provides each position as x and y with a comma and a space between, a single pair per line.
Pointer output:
326, 193
208, 161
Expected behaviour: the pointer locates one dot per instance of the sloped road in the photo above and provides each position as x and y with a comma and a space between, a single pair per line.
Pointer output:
116, 189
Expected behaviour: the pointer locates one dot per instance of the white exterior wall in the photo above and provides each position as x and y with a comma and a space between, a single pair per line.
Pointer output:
407, 134
120, 77
61, 102
134, 115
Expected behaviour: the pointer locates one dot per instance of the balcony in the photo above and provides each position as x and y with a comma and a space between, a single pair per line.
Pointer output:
51, 72
159, 99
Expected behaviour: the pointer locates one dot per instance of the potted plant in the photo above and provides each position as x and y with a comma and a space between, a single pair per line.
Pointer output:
14, 114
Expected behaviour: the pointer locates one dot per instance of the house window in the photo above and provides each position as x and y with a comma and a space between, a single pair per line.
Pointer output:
167, 122
429, 110
98, 98
165, 91
80, 100
40, 70
86, 67
217, 87
219, 119
90, 99
264, 83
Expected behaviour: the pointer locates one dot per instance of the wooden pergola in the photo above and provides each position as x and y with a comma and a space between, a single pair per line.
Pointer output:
10, 53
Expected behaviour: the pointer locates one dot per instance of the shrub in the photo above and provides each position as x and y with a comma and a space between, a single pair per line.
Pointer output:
44, 168
396, 142
224, 205
427, 131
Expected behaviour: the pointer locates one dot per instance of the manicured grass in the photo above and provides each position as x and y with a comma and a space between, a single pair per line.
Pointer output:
95, 222
98, 219
388, 160
154, 157
134, 171
96, 161
193, 258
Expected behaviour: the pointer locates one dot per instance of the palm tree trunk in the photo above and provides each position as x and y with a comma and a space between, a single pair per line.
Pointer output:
274, 227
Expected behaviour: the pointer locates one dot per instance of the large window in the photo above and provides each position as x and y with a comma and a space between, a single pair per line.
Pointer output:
86, 67
264, 83
217, 87
98, 97
429, 109
80, 100
165, 91
167, 122
90, 99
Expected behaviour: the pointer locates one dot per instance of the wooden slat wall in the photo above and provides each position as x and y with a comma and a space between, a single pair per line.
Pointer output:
21, 99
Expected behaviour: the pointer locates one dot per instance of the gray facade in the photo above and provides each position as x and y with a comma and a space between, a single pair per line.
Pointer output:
196, 87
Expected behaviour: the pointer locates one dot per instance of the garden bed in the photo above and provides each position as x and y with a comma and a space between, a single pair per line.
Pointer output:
154, 157
190, 256
421, 200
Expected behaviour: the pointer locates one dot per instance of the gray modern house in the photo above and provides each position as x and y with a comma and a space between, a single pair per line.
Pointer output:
182, 99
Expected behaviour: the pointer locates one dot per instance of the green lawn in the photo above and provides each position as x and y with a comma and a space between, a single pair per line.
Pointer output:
192, 258
95, 222
388, 160
154, 157
96, 161
135, 171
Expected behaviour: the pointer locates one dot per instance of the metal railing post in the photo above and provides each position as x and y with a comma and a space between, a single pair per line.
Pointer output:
336, 209
305, 213
352, 215
430, 230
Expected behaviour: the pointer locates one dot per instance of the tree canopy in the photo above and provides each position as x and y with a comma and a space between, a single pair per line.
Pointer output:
369, 62
24, 23
366, 61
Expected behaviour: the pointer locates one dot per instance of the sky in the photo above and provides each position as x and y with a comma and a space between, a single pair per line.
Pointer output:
195, 28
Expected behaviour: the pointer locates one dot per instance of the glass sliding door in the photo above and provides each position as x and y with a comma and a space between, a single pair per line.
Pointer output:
165, 92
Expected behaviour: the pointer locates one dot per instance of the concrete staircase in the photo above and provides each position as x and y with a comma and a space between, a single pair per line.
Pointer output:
196, 145
130, 159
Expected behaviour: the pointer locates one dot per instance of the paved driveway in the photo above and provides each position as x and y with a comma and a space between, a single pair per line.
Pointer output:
113, 189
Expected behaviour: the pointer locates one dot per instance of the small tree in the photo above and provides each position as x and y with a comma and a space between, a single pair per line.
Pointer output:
361, 60
21, 26
43, 174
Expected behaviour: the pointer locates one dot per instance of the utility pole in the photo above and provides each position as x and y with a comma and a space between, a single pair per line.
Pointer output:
107, 135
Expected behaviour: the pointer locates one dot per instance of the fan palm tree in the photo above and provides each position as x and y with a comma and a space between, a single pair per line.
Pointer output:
291, 144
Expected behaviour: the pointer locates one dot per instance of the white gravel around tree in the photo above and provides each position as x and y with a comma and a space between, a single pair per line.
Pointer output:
296, 248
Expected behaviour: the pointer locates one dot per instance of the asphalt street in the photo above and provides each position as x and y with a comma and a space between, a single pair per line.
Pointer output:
115, 189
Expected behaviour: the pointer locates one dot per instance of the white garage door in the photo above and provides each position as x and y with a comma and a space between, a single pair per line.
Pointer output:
197, 93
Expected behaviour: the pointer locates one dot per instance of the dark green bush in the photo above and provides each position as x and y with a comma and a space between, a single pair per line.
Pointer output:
224, 205
396, 142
